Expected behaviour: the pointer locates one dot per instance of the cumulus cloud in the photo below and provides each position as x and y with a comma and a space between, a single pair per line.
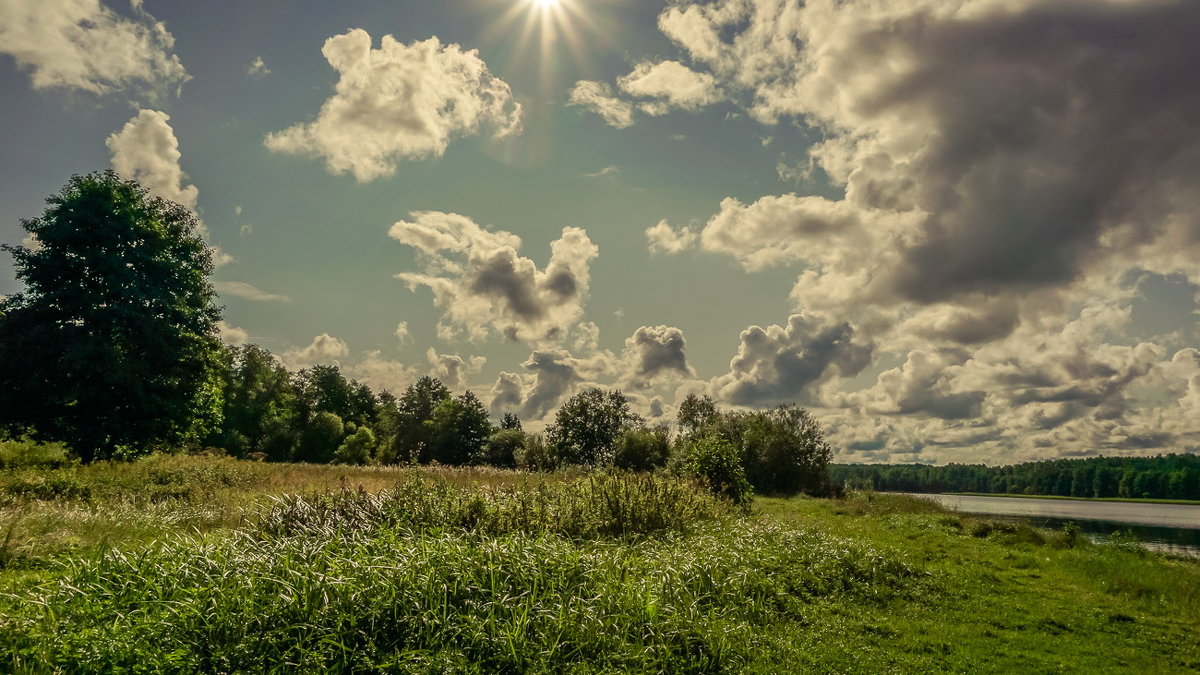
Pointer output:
398, 102
653, 353
663, 238
598, 98
146, 150
1005, 169
402, 334
988, 147
786, 363
324, 349
672, 85
482, 284
232, 335
82, 44
551, 376
382, 374
453, 369
241, 289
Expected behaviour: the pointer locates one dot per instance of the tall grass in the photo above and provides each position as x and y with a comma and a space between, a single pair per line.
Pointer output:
600, 505
386, 599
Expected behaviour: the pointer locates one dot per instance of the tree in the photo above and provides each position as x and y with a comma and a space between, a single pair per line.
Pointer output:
503, 447
459, 427
511, 421
586, 426
112, 347
416, 406
642, 449
784, 450
258, 398
694, 413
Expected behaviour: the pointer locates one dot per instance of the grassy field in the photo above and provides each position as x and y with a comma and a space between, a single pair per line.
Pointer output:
201, 564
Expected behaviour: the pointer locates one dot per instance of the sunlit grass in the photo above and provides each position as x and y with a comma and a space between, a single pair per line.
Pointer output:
184, 564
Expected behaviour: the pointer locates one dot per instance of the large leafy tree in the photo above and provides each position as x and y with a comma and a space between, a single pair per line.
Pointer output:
112, 347
586, 427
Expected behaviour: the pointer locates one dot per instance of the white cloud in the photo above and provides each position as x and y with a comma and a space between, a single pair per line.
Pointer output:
606, 171
257, 68
786, 363
146, 150
402, 333
653, 354
453, 369
673, 84
241, 289
82, 44
481, 283
598, 98
232, 335
324, 349
552, 375
398, 102
663, 238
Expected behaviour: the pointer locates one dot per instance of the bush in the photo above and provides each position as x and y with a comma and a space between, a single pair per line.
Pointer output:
502, 448
537, 455
641, 449
356, 449
715, 462
17, 454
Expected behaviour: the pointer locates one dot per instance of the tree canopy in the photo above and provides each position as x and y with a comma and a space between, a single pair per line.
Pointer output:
112, 346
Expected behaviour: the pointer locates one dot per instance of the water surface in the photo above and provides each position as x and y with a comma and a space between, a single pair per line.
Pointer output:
1167, 527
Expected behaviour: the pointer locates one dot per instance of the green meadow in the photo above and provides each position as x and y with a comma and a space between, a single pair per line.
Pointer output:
210, 564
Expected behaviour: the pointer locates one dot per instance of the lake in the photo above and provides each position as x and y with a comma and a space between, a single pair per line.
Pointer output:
1167, 527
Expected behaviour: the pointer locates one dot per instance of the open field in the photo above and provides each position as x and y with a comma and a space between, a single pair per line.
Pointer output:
200, 564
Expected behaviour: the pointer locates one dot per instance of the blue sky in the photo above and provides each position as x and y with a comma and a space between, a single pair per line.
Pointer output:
958, 231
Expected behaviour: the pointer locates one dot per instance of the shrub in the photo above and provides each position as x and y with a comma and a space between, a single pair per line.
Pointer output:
16, 454
641, 449
356, 449
537, 454
714, 461
502, 448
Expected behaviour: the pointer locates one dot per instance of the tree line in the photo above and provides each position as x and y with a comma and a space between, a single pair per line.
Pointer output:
1173, 476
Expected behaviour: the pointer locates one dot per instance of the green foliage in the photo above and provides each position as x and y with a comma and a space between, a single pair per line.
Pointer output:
537, 454
784, 451
259, 400
715, 461
1175, 476
586, 427
695, 413
510, 421
321, 438
415, 408
642, 449
503, 447
25, 453
458, 430
357, 448
112, 347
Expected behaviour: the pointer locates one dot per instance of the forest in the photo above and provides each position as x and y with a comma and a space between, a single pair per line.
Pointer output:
1173, 476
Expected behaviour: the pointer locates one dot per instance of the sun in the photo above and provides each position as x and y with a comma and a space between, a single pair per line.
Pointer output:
546, 4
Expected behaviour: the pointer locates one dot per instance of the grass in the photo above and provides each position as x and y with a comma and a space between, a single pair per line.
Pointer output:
243, 567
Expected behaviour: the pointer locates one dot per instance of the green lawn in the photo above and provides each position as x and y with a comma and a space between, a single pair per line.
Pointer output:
181, 564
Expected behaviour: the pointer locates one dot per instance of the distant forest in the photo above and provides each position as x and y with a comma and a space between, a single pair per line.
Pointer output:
1175, 476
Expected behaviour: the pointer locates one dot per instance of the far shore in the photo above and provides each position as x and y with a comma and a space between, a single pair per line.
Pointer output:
1188, 502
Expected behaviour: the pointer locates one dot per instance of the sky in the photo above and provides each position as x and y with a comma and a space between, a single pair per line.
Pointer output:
955, 230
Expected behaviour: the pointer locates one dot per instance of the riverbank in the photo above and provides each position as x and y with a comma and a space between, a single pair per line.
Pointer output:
410, 570
1131, 500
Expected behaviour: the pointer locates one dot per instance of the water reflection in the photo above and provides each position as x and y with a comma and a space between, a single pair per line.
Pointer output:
1171, 528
